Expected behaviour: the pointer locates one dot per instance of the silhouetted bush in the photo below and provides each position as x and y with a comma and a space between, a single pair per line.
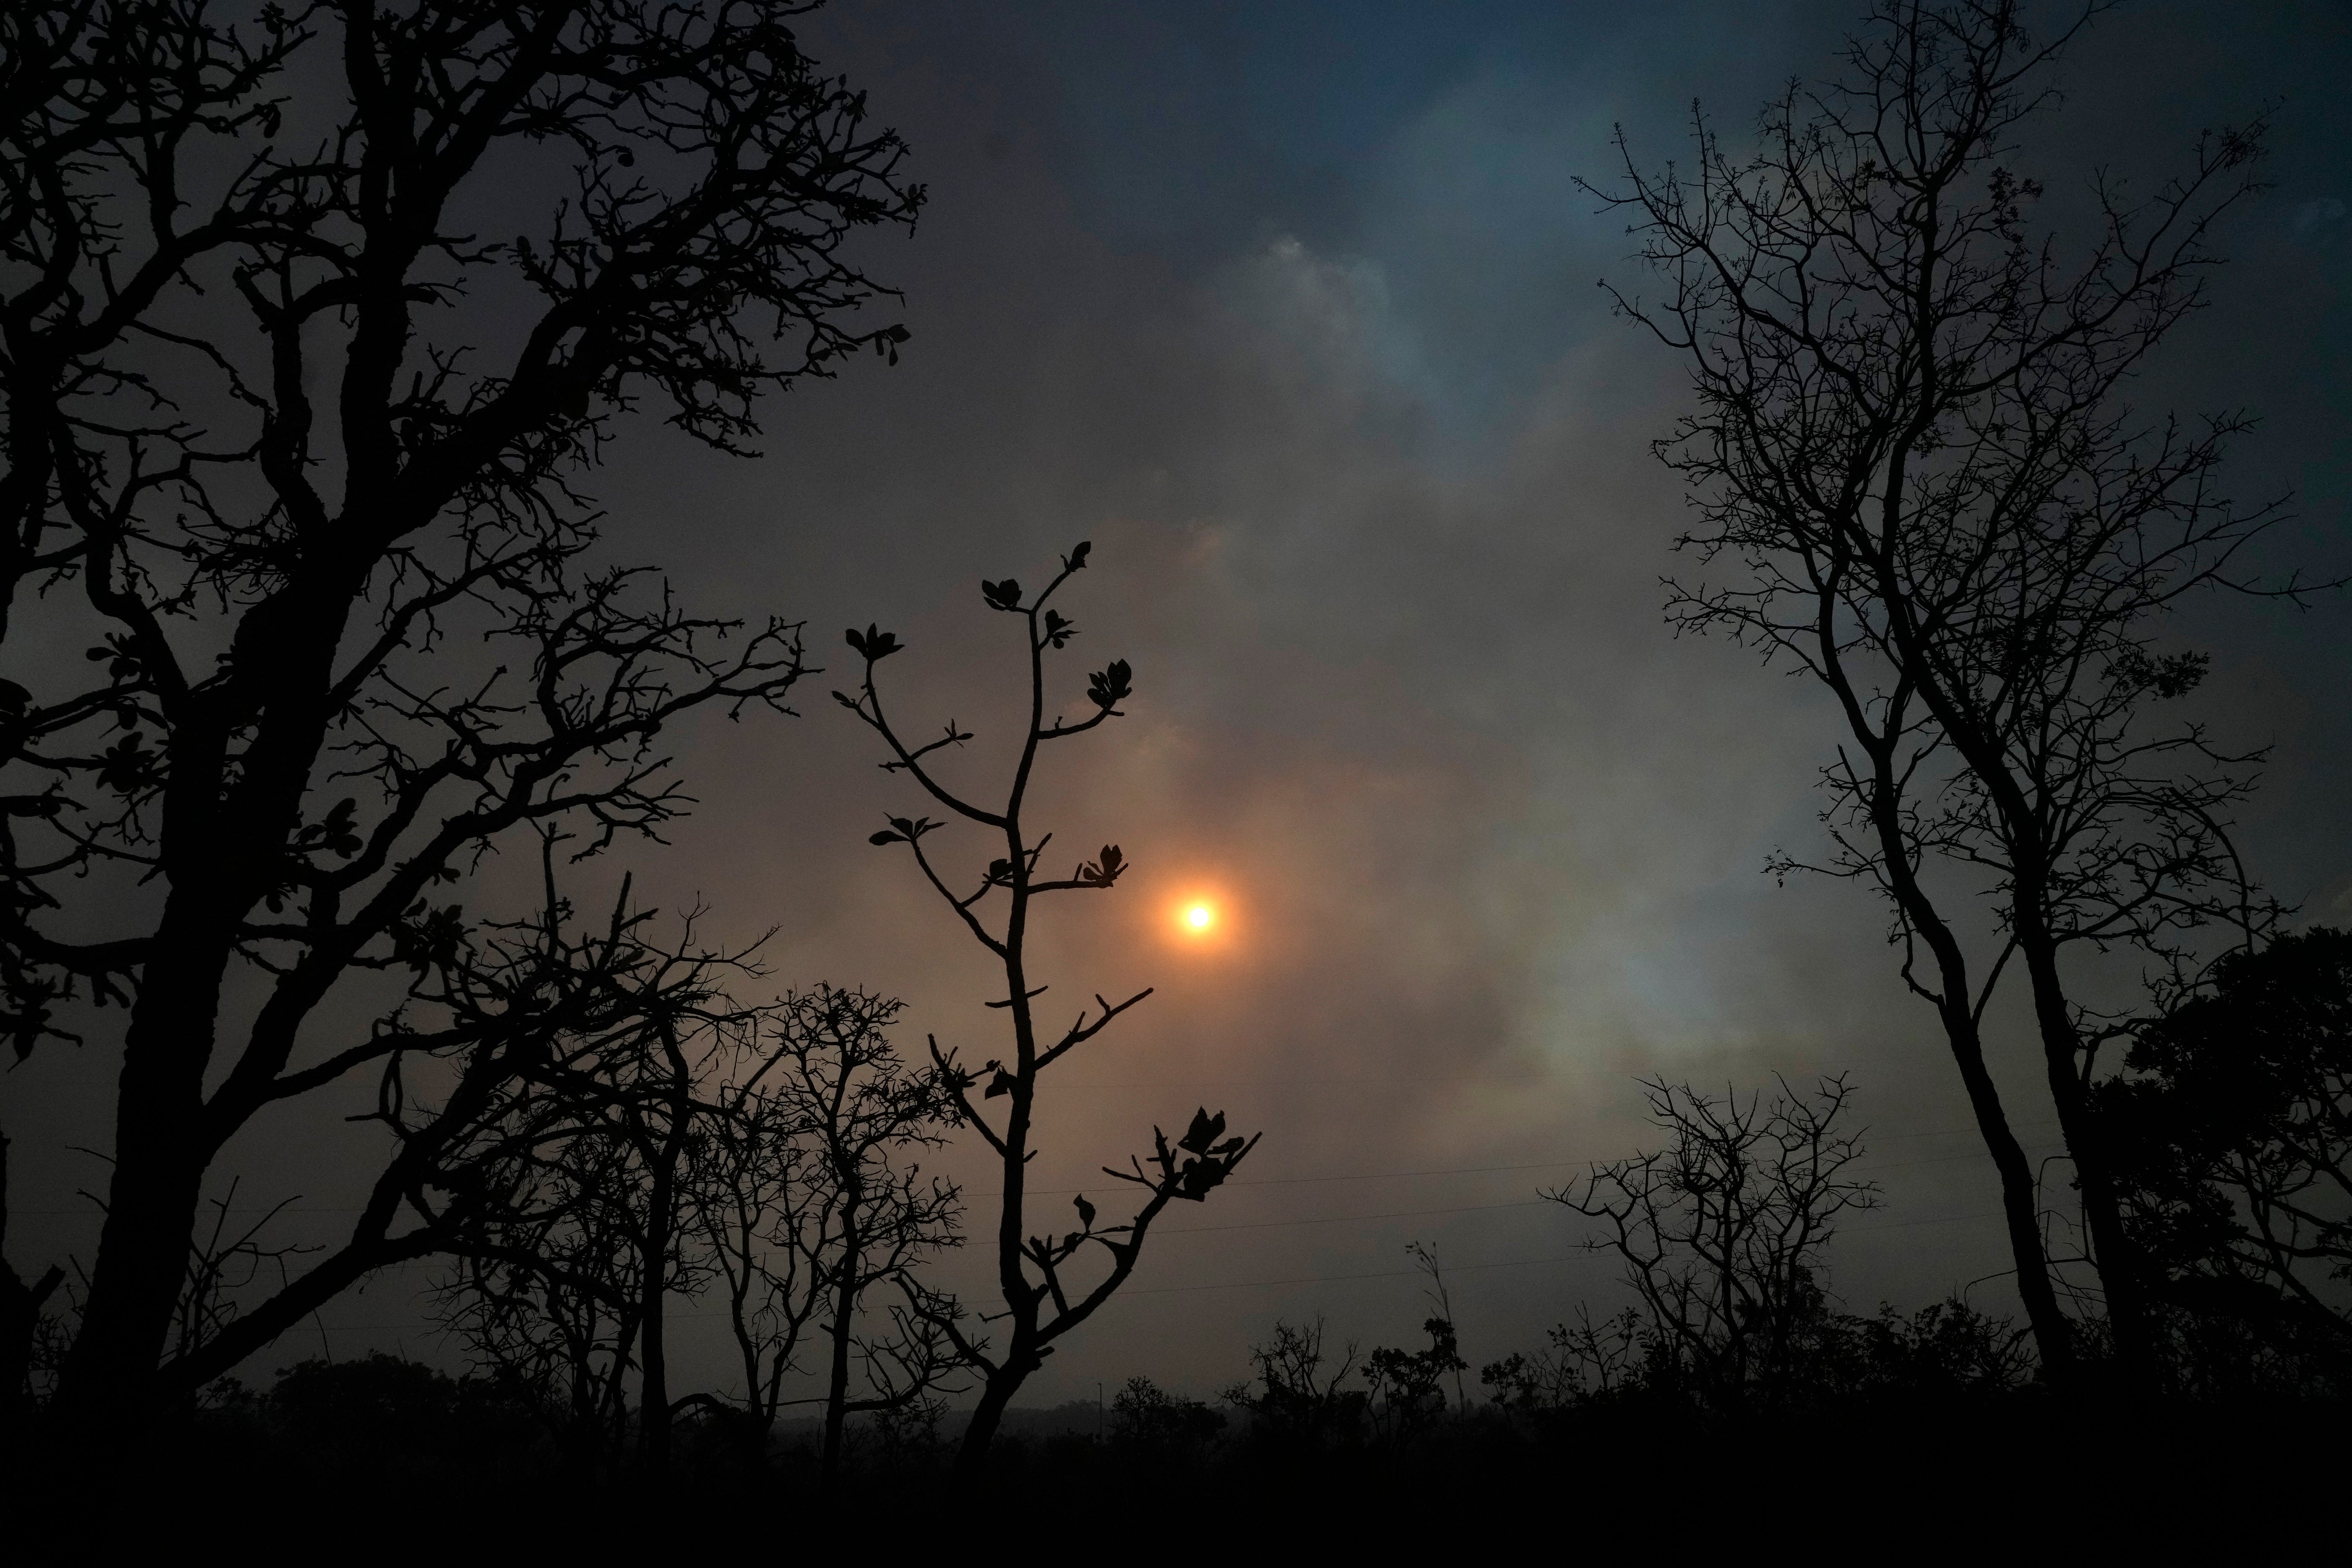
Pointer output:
2232, 1130
383, 1414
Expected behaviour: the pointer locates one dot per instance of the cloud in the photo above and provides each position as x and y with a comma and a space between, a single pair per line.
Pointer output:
2317, 222
1363, 456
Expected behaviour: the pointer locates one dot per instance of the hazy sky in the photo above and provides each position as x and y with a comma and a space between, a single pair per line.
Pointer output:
1291, 309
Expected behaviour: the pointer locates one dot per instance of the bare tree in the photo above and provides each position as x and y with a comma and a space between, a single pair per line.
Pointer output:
1585, 1361
808, 1203
1041, 1302
549, 1312
287, 431
1918, 479
223, 1268
685, 1145
752, 1167
568, 1193
1721, 1233
1302, 1396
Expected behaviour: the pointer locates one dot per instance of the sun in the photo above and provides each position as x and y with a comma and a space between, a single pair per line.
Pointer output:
1199, 919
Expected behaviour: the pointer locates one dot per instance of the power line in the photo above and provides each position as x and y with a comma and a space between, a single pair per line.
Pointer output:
1491, 1170
1322, 1278
1908, 1223
1335, 1279
1349, 1218
1465, 1268
1268, 1180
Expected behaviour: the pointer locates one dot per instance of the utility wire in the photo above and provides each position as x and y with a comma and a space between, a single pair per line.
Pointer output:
1465, 1268
1335, 1279
1349, 1218
1537, 1165
1338, 1278
1489, 1208
1861, 1163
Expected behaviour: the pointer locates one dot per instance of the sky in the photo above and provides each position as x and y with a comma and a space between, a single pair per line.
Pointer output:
1293, 312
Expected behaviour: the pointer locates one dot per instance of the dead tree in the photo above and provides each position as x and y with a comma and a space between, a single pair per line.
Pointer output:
294, 449
1041, 1302
1722, 1231
1918, 480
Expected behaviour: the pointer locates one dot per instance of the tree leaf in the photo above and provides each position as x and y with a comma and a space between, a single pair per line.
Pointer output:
1109, 686
1206, 1129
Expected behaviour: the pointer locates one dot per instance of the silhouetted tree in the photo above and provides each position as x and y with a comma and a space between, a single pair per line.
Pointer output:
223, 1268
1425, 1257
1941, 1351
2233, 1139
1917, 474
807, 1202
572, 1192
300, 385
1301, 1397
1585, 1361
752, 1168
1040, 1304
553, 1314
697, 1145
1722, 1233
1405, 1392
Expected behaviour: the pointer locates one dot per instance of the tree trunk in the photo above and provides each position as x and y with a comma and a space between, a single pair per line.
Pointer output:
223, 827
2053, 1333
20, 1318
652, 1405
844, 1304
109, 1380
653, 1401
971, 1456
2113, 1254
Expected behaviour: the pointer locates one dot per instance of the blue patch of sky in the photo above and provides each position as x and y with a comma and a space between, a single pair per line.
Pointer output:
1436, 145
